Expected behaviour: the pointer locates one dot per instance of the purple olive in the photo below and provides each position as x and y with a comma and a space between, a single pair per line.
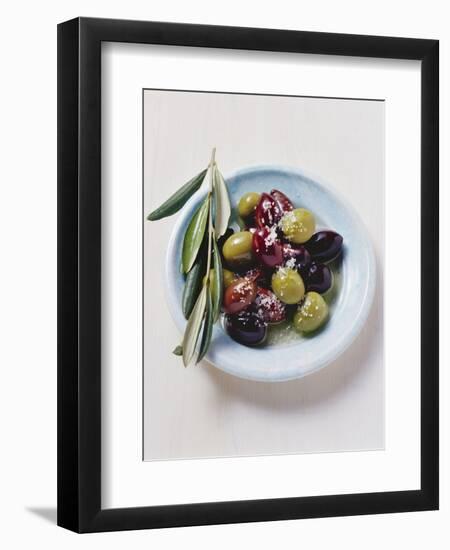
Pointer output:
268, 213
283, 202
253, 274
318, 278
260, 276
246, 328
296, 256
267, 249
324, 245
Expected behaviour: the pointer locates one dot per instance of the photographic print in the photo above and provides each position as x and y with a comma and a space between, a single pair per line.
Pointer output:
263, 238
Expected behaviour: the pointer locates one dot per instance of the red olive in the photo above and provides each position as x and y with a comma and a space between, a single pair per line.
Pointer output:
324, 245
268, 213
239, 295
283, 202
268, 307
267, 248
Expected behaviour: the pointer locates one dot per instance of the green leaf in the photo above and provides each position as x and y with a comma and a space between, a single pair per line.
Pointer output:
192, 286
193, 327
194, 236
222, 203
178, 351
217, 286
178, 199
207, 328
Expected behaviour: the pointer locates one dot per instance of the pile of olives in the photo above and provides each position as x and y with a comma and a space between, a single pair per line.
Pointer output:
275, 269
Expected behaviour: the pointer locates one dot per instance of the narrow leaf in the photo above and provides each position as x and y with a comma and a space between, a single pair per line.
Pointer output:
178, 351
193, 327
192, 286
207, 328
217, 286
222, 203
194, 236
178, 199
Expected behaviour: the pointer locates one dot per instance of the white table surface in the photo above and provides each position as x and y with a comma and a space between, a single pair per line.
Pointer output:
201, 411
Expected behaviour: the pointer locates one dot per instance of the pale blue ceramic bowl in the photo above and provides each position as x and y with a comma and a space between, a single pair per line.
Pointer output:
355, 281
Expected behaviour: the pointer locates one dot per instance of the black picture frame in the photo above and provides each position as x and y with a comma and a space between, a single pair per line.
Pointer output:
79, 270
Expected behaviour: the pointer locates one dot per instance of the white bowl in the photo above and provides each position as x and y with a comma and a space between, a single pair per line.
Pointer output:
353, 296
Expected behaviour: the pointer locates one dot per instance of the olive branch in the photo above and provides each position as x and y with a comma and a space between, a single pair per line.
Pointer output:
200, 258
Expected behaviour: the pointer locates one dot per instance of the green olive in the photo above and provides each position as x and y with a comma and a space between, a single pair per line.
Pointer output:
288, 285
298, 225
237, 249
247, 204
228, 277
312, 313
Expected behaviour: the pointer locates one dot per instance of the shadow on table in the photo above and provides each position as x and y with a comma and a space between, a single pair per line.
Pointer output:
46, 513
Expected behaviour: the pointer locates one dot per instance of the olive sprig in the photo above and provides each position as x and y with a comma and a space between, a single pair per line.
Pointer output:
200, 259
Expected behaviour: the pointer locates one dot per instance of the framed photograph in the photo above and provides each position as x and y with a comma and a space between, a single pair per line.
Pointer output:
248, 274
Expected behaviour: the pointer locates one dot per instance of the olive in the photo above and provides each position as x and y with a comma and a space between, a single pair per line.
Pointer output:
251, 229
318, 277
253, 274
283, 202
267, 248
247, 204
296, 256
239, 295
268, 212
221, 240
311, 314
228, 277
259, 276
246, 328
288, 285
237, 249
298, 225
324, 246
268, 307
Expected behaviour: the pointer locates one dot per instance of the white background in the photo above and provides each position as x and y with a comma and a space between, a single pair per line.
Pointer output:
28, 296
